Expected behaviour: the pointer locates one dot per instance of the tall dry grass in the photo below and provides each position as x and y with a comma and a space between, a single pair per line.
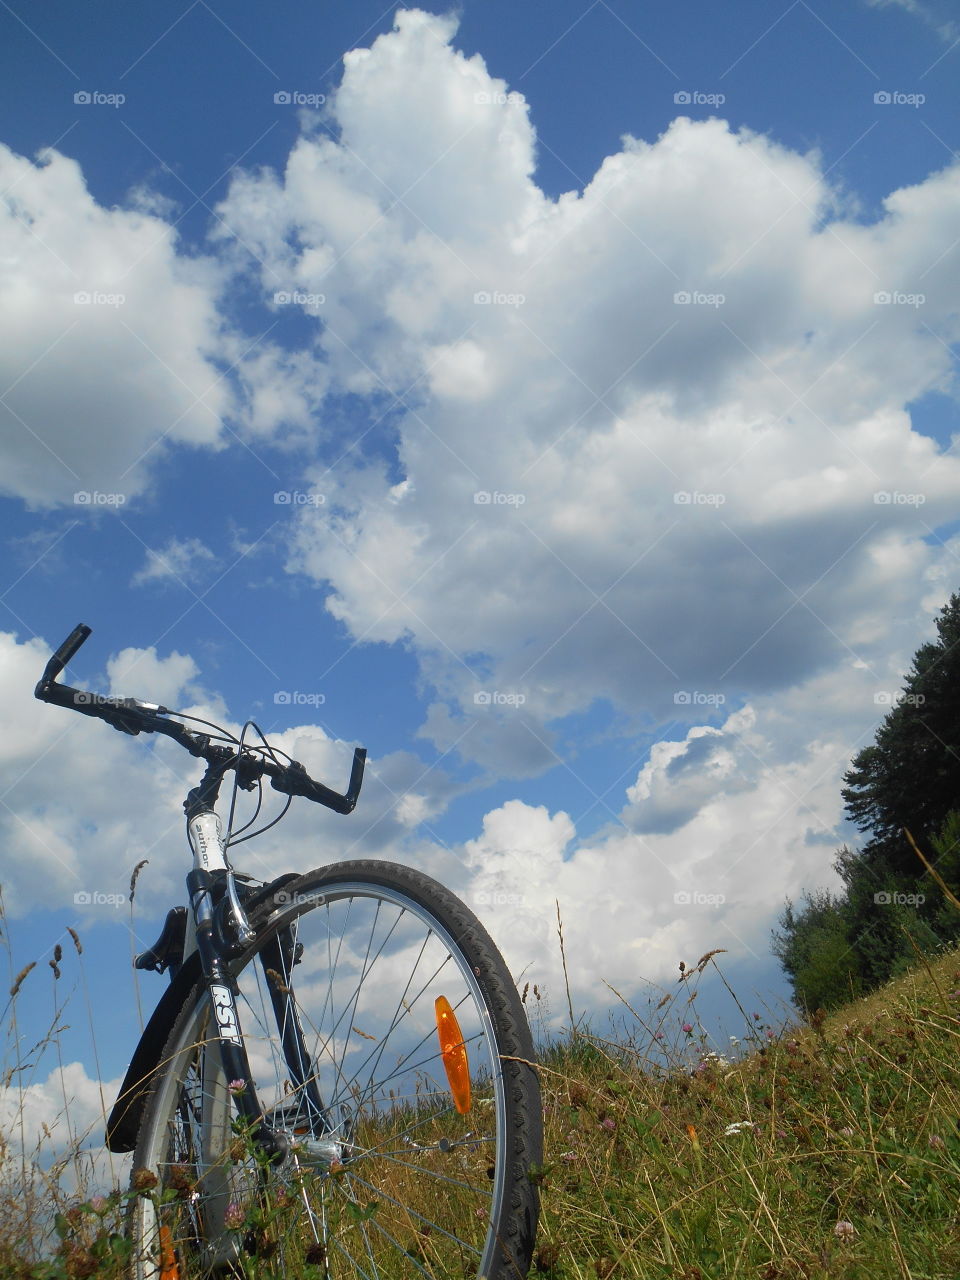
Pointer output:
823, 1150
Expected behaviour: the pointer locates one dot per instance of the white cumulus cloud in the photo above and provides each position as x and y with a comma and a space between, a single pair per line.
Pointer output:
653, 436
107, 339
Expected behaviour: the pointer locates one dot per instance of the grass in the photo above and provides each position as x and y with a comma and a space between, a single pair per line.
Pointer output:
830, 1150
823, 1150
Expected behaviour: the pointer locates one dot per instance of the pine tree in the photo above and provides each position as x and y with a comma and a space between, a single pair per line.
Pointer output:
909, 777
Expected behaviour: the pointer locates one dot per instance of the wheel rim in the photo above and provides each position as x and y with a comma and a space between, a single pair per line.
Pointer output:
389, 1169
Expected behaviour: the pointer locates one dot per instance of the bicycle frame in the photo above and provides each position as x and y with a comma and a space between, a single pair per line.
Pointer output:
218, 928
337, 1118
221, 931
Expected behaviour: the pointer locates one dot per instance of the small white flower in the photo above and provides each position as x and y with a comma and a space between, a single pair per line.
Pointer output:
738, 1127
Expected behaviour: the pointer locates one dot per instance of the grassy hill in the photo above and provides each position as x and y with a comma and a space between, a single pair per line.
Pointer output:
830, 1150
824, 1151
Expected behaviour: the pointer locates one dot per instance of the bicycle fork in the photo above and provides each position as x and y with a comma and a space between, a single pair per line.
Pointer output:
297, 1131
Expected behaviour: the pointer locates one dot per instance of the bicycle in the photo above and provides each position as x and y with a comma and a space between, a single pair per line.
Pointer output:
338, 1079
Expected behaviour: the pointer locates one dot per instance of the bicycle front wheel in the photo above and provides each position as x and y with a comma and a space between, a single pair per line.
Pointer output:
388, 1045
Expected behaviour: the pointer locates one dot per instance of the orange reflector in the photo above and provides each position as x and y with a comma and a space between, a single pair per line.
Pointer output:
169, 1267
453, 1051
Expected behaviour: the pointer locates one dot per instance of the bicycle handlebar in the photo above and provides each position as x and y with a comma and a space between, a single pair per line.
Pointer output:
66, 651
129, 715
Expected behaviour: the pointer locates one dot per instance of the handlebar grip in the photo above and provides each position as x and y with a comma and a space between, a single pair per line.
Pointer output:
356, 776
66, 651
295, 781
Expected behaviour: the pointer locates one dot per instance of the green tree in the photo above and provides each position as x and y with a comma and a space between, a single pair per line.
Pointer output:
813, 946
890, 907
910, 776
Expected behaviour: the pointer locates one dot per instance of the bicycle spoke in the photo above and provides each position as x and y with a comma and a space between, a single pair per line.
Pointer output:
338, 1001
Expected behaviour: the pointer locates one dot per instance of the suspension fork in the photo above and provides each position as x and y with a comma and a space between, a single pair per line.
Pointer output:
206, 840
278, 957
222, 990
204, 832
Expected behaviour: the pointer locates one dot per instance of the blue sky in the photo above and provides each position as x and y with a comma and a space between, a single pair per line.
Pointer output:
675, 288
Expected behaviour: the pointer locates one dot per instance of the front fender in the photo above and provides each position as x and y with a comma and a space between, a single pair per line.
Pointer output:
123, 1124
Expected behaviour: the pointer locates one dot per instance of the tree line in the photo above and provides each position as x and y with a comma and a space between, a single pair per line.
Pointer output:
890, 908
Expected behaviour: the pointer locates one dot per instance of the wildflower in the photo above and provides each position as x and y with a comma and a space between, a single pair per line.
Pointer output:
687, 1029
234, 1217
770, 1034
144, 1180
756, 1017
98, 1203
845, 1132
936, 1142
608, 1124
546, 1257
181, 1179
568, 1157
80, 1260
710, 1059
658, 1035
845, 1231
737, 1127
692, 1135
237, 1087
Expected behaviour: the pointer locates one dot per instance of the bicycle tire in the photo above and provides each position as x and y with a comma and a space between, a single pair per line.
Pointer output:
400, 1182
